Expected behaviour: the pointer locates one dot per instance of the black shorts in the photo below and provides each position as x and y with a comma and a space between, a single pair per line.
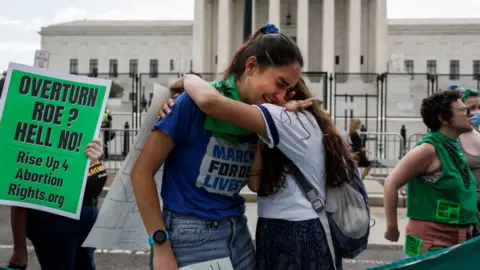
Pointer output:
363, 161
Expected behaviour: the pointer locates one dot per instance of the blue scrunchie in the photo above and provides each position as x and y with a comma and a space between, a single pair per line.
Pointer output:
456, 87
453, 86
271, 29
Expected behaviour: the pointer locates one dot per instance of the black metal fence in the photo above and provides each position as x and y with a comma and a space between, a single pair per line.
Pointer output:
143, 92
135, 90
124, 82
384, 102
356, 95
387, 104
316, 80
318, 84
210, 76
405, 92
465, 80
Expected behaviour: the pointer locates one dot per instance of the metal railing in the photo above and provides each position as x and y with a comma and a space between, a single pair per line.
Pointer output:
381, 100
414, 139
117, 148
385, 149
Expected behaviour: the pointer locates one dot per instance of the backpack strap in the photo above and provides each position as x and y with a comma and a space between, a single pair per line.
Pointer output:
318, 205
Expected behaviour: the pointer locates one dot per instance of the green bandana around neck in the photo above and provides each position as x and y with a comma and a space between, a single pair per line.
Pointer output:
447, 141
222, 129
456, 154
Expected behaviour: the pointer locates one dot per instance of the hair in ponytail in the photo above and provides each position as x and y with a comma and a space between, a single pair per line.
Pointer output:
270, 47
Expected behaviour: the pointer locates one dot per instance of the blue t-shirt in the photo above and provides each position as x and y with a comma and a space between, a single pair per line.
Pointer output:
203, 175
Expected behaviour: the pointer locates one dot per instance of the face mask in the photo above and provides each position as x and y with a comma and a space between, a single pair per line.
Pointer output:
476, 119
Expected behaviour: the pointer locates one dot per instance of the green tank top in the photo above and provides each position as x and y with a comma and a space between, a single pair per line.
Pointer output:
450, 198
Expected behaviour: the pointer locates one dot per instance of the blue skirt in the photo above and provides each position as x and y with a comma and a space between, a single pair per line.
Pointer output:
292, 245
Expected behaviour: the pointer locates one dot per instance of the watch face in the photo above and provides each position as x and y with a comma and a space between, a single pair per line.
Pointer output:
159, 237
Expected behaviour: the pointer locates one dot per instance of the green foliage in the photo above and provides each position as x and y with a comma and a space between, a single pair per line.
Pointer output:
116, 91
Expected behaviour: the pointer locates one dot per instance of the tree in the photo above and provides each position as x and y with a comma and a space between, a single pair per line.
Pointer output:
116, 91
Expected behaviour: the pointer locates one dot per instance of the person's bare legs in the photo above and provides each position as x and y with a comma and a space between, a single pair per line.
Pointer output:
18, 222
366, 171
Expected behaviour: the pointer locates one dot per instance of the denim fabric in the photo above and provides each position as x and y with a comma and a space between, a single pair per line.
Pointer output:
195, 240
58, 240
292, 245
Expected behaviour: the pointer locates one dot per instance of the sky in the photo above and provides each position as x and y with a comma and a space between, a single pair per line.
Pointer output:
19, 25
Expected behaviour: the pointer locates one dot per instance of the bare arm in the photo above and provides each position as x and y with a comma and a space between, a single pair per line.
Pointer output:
211, 102
416, 162
149, 162
254, 181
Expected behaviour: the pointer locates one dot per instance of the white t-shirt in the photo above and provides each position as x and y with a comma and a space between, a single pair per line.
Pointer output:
299, 137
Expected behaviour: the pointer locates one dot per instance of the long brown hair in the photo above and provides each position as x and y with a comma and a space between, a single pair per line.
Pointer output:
270, 49
339, 165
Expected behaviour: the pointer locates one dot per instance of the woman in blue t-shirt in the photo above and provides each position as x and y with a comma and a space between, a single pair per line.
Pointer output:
207, 162
289, 234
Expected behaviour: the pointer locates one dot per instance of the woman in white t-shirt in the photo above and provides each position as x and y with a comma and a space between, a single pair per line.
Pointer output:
289, 234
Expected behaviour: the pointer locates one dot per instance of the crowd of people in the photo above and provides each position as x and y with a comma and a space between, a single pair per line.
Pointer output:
261, 127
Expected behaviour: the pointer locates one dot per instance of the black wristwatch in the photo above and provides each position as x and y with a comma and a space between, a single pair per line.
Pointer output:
158, 237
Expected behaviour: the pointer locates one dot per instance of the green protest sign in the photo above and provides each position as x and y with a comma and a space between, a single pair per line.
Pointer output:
46, 121
461, 256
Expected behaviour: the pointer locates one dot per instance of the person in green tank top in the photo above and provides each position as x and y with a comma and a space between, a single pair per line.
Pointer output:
441, 190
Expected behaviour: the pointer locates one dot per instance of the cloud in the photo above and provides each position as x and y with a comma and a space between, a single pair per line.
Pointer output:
149, 10
4, 21
433, 9
35, 24
18, 52
69, 14
65, 15
154, 11
183, 10
17, 47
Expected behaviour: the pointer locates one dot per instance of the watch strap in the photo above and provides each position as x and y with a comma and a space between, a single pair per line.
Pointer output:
151, 240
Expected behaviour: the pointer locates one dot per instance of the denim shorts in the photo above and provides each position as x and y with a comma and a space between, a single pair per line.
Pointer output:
195, 240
